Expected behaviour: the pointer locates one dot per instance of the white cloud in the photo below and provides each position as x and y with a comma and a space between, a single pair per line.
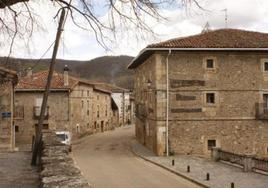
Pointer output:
79, 44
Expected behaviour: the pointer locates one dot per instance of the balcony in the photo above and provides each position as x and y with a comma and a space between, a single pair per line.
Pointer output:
37, 111
262, 111
19, 112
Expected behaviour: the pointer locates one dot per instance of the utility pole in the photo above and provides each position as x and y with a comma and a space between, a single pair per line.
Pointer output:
38, 139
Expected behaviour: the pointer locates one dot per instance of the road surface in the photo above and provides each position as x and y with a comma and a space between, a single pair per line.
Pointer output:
106, 160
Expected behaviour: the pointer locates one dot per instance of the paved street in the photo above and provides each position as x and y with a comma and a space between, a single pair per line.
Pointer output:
106, 160
16, 171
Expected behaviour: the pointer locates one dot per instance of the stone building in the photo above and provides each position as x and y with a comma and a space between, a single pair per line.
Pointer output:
121, 97
8, 80
202, 91
102, 110
70, 105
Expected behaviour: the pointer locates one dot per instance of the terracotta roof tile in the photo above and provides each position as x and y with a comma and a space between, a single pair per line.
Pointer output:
39, 80
222, 38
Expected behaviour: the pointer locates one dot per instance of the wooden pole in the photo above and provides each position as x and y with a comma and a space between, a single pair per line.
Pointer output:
38, 138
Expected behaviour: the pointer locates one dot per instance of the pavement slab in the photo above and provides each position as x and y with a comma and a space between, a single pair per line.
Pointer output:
221, 175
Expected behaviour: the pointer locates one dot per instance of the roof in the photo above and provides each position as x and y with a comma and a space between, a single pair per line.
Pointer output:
221, 39
37, 81
9, 74
111, 88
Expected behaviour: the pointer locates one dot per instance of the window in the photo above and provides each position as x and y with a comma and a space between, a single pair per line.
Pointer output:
211, 144
98, 111
265, 66
16, 128
88, 104
106, 110
88, 112
82, 104
210, 63
87, 125
88, 93
210, 98
97, 97
82, 93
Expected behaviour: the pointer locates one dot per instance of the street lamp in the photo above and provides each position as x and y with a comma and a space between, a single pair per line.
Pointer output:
149, 83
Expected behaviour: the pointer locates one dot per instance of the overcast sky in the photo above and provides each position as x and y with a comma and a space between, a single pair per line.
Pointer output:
81, 45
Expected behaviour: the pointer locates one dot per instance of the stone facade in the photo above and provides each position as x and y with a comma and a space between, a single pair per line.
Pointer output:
76, 106
102, 111
220, 106
57, 116
8, 80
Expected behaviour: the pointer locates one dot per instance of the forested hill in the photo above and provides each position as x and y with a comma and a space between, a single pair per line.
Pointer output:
110, 69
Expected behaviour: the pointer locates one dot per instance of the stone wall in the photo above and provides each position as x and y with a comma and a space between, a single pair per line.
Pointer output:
237, 81
57, 166
6, 112
58, 115
102, 111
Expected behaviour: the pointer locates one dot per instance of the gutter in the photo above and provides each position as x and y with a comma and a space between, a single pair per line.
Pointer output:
167, 102
193, 49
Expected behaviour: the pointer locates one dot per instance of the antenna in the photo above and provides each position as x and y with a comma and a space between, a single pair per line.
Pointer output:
226, 17
206, 28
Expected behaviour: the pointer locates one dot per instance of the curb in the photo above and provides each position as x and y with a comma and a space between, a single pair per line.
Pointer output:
169, 169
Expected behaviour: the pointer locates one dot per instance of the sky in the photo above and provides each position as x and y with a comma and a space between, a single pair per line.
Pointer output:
78, 44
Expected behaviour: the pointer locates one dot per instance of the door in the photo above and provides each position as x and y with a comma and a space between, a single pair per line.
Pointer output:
265, 103
102, 128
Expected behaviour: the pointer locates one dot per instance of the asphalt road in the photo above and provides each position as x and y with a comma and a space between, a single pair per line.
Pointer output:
106, 160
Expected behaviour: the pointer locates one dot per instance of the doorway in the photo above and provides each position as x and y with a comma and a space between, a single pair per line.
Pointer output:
102, 126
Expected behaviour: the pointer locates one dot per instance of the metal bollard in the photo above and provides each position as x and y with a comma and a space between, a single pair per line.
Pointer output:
232, 185
173, 162
188, 168
207, 177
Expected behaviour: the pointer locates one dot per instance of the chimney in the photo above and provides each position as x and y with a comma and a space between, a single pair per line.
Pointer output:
29, 71
66, 75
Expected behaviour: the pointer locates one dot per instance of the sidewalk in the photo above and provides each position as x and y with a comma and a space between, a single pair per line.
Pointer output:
221, 175
16, 171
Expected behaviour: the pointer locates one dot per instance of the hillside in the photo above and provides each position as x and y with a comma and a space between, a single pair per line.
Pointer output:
110, 69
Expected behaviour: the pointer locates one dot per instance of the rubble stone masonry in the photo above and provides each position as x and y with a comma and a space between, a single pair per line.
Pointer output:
238, 84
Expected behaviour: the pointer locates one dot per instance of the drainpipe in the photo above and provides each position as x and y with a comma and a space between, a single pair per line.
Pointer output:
167, 109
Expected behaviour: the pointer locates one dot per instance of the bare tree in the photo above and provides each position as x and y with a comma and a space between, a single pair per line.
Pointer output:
18, 18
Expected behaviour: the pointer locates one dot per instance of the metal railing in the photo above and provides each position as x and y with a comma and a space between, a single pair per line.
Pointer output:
260, 164
231, 157
19, 112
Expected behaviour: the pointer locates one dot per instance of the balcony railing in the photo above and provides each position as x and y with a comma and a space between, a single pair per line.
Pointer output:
262, 111
37, 112
19, 112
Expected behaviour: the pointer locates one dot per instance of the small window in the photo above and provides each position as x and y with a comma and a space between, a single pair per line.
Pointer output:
82, 104
87, 125
16, 128
88, 112
210, 98
211, 144
265, 66
210, 63
88, 93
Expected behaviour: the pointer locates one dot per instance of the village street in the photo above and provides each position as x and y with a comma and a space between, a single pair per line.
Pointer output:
106, 160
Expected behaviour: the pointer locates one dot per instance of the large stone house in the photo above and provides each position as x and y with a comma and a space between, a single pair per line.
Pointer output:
202, 91
8, 80
71, 106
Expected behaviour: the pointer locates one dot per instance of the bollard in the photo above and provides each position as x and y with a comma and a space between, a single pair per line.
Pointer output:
188, 168
173, 162
232, 185
207, 177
